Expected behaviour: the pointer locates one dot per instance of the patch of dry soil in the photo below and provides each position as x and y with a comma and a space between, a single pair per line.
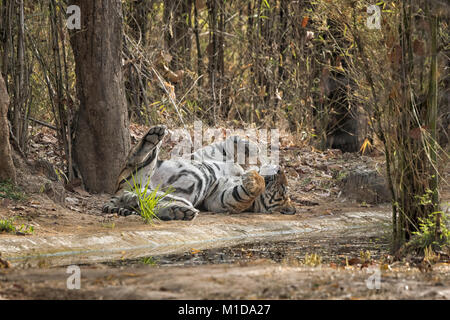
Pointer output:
257, 280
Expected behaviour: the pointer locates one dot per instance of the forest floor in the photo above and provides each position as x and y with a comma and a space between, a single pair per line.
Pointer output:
335, 261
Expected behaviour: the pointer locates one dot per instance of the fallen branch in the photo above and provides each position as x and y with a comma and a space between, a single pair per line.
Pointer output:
42, 123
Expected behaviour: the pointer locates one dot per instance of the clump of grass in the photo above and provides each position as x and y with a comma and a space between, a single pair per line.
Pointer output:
148, 200
312, 260
430, 255
149, 261
305, 182
7, 225
9, 191
426, 236
365, 256
339, 175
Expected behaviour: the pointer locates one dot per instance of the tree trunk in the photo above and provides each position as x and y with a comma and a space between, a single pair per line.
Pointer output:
102, 139
7, 170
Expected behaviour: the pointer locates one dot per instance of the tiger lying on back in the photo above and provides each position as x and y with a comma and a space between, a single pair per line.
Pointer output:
208, 182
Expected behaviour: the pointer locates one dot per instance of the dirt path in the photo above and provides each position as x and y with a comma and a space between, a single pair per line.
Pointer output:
260, 279
262, 267
206, 232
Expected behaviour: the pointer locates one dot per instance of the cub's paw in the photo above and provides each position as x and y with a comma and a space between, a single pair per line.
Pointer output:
155, 134
253, 183
176, 212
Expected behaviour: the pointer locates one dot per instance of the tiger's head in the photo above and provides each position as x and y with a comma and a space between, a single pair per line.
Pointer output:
275, 197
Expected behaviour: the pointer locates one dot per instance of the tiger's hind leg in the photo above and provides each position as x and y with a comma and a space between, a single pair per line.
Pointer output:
143, 155
147, 148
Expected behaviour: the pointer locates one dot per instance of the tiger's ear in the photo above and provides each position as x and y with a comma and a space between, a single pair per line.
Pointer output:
281, 176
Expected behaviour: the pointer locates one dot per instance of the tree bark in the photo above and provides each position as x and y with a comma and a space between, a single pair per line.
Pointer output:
7, 170
102, 139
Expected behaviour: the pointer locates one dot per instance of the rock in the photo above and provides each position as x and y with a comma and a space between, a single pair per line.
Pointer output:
365, 185
73, 201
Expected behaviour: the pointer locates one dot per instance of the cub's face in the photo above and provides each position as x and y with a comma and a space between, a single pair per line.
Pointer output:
276, 198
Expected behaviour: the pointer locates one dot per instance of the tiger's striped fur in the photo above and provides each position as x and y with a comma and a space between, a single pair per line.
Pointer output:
212, 181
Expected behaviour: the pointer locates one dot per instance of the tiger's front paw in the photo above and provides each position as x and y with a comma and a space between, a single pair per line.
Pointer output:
125, 212
253, 183
176, 212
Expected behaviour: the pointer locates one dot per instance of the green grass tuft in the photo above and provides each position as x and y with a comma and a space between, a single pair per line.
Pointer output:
150, 261
7, 225
426, 238
149, 200
9, 191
